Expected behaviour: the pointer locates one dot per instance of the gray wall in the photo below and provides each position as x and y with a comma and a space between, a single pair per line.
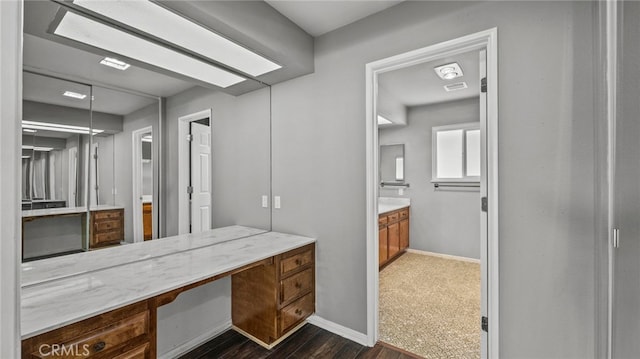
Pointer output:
446, 220
240, 155
546, 144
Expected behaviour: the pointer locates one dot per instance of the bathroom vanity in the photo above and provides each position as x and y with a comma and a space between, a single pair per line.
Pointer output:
393, 230
103, 304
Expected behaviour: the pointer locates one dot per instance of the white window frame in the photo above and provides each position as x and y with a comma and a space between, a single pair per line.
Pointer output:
465, 127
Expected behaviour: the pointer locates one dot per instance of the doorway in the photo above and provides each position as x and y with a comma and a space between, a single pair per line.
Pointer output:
142, 184
482, 43
194, 181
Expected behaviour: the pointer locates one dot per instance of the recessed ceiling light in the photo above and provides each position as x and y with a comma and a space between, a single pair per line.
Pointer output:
383, 120
449, 71
165, 24
34, 125
76, 95
93, 33
115, 63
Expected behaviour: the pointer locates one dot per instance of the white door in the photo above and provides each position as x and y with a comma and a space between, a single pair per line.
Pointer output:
200, 177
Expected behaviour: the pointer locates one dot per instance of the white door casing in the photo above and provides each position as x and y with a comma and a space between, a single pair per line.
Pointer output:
200, 177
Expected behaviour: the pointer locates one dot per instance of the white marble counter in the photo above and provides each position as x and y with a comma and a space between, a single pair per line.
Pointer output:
65, 210
390, 204
56, 303
64, 266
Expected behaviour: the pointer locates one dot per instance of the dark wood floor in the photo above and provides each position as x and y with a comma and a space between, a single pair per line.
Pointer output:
308, 342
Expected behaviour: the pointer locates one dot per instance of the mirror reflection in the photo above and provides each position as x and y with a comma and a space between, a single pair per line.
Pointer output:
103, 152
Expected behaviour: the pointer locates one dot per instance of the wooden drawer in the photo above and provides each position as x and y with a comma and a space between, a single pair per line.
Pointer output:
296, 285
106, 226
393, 217
107, 237
404, 213
101, 215
137, 353
295, 312
383, 220
295, 262
101, 340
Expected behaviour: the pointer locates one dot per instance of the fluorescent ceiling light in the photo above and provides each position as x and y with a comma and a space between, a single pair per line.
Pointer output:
33, 125
40, 149
449, 71
383, 121
157, 21
79, 28
72, 94
28, 130
115, 63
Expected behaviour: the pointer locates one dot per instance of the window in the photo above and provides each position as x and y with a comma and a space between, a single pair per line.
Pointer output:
456, 153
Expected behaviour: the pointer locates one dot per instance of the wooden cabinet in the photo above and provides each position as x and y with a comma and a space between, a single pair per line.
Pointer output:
393, 235
147, 221
268, 301
106, 227
122, 333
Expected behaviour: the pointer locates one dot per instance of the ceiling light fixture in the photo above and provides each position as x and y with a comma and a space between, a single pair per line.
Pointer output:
28, 130
147, 138
81, 29
449, 71
383, 121
115, 63
34, 125
165, 24
75, 95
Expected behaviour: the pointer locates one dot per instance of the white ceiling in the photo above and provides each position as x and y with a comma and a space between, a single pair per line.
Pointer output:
419, 85
319, 17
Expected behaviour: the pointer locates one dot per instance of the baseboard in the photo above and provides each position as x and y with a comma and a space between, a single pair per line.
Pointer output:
338, 329
195, 342
447, 256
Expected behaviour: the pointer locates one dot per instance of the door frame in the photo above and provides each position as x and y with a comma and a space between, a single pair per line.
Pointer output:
136, 151
183, 165
488, 40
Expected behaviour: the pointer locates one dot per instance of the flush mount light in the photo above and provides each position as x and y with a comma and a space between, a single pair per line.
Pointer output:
383, 121
449, 71
162, 23
76, 95
115, 63
93, 33
34, 125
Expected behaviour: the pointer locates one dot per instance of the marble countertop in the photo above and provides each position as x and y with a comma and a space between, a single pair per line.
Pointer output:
64, 266
65, 210
55, 303
390, 204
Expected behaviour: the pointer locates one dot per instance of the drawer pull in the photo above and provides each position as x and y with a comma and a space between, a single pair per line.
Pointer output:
99, 346
298, 311
298, 261
298, 285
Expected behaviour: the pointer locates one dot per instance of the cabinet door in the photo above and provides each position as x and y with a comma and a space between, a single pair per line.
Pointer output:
394, 239
404, 234
383, 253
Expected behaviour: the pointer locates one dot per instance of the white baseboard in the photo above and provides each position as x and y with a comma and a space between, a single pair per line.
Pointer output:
338, 329
197, 341
447, 256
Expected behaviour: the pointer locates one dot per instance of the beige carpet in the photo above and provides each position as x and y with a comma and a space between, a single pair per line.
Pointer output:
430, 306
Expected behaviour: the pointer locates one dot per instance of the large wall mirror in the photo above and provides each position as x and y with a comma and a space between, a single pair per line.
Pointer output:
103, 147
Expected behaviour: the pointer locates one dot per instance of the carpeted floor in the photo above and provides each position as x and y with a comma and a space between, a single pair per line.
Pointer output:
430, 306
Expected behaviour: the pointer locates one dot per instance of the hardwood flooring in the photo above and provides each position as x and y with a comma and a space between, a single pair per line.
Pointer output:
308, 342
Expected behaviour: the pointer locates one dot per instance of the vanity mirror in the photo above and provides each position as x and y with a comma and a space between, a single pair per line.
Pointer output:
101, 164
391, 164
